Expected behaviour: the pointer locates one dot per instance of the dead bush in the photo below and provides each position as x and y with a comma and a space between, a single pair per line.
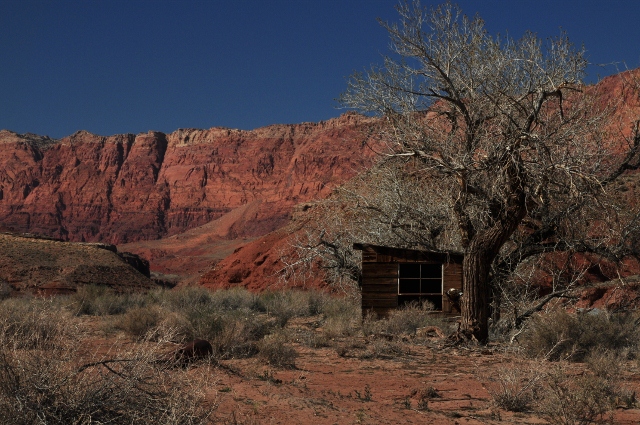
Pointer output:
29, 323
274, 350
141, 321
514, 387
58, 384
567, 399
561, 335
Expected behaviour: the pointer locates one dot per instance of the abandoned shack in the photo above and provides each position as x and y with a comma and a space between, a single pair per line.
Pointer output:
392, 277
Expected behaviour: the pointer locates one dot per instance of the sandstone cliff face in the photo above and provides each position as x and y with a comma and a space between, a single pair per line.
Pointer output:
127, 188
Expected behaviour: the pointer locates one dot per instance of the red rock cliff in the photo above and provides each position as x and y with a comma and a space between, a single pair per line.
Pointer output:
126, 188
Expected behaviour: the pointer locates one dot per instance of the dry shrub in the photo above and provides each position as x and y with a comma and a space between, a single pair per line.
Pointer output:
185, 299
95, 300
605, 364
29, 322
514, 387
405, 320
284, 305
341, 307
313, 339
50, 381
234, 299
567, 399
238, 336
342, 318
274, 350
339, 326
383, 349
560, 335
141, 321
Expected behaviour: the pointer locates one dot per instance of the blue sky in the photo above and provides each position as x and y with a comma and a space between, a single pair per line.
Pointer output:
129, 66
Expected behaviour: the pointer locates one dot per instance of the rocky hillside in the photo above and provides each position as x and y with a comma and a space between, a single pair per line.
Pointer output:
31, 264
128, 188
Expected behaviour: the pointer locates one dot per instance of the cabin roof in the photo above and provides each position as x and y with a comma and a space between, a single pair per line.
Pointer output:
427, 255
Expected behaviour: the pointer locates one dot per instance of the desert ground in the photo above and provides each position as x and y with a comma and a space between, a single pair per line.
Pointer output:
302, 357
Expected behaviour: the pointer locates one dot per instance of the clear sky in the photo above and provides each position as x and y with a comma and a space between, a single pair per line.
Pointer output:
129, 66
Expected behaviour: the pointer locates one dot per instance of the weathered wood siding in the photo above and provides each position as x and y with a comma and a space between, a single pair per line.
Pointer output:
379, 287
380, 275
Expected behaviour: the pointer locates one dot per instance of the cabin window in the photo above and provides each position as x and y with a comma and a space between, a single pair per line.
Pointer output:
419, 282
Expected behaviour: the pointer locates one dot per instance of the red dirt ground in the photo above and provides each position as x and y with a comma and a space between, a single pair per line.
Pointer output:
328, 389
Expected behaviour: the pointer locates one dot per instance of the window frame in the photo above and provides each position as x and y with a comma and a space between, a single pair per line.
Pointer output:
421, 279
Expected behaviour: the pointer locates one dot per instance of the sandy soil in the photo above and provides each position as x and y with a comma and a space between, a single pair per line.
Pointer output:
328, 388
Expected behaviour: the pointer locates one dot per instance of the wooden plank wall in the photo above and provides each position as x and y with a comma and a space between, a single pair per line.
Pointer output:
380, 277
379, 287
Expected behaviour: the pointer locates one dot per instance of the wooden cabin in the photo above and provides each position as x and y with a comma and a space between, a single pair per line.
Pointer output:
392, 277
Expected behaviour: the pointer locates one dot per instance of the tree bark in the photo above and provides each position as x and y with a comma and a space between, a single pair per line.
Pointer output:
475, 291
479, 254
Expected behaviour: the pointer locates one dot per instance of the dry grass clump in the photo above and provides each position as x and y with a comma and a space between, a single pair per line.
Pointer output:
567, 399
515, 387
561, 335
94, 300
274, 350
28, 322
46, 377
405, 321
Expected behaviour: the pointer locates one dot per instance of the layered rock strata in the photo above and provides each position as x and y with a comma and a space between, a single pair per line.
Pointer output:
127, 188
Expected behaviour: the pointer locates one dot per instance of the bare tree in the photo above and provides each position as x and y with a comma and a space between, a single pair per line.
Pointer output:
506, 131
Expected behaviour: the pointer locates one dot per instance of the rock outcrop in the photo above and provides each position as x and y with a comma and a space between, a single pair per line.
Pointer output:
127, 188
45, 266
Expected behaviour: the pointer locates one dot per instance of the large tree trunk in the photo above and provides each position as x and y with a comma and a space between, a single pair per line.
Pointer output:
475, 294
479, 254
